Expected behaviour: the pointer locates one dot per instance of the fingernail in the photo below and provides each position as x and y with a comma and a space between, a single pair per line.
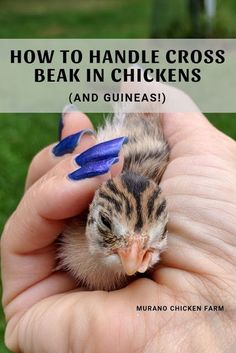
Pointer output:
93, 169
69, 143
101, 151
67, 109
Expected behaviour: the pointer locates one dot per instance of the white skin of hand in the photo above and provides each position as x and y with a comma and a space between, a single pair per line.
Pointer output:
44, 310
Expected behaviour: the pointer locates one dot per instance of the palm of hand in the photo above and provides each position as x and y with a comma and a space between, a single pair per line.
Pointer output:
199, 266
197, 269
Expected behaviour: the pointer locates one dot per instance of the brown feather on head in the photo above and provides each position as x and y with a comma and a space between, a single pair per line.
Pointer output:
127, 223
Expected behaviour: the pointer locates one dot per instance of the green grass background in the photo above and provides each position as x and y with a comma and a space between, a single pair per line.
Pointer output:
22, 135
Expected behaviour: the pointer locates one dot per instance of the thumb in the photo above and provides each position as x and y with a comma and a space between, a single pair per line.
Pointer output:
187, 131
193, 134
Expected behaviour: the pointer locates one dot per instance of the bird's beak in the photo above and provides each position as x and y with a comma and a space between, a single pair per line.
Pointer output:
134, 258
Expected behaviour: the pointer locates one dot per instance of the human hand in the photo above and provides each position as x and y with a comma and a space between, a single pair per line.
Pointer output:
197, 269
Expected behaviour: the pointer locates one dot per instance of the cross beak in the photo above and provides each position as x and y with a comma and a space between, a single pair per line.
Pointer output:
134, 258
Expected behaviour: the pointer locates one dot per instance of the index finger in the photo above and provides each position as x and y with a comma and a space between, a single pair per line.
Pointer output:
45, 205
73, 122
28, 249
186, 129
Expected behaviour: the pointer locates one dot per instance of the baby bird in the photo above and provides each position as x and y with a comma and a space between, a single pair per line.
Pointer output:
125, 229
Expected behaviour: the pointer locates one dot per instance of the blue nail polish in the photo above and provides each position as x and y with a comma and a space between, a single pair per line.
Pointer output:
101, 151
93, 169
67, 109
69, 143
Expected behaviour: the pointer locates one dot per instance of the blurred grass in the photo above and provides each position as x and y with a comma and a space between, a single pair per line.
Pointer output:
75, 19
23, 135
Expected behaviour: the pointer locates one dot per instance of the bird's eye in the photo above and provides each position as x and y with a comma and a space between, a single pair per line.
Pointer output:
105, 221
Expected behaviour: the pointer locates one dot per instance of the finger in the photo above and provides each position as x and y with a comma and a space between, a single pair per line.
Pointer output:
82, 314
54, 197
187, 132
28, 248
45, 159
74, 121
193, 135
100, 152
